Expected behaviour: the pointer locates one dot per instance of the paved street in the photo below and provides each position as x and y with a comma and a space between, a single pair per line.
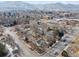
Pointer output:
19, 42
53, 52
58, 48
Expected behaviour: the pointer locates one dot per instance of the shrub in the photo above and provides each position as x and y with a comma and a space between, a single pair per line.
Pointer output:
64, 53
2, 50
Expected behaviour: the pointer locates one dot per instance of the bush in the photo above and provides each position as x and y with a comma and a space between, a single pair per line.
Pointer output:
2, 50
64, 53
61, 34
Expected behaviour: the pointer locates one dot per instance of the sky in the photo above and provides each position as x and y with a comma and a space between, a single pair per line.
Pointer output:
47, 1
39, 0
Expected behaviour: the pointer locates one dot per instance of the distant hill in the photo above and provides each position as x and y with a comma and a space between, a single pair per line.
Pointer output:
18, 5
15, 5
59, 7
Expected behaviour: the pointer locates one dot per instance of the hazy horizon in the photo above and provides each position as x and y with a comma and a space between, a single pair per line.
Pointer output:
47, 2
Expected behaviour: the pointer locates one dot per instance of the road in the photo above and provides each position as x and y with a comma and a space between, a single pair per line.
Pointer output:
56, 49
20, 43
60, 46
53, 52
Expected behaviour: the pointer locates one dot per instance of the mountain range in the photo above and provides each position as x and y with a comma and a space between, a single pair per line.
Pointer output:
19, 5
